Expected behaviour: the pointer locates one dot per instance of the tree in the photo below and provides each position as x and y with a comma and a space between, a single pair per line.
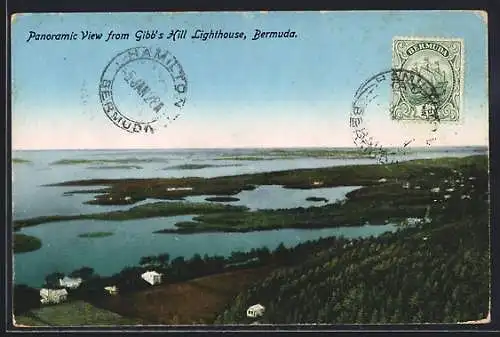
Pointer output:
145, 260
85, 273
52, 280
164, 258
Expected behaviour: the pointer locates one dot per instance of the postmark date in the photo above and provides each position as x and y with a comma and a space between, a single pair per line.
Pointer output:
143, 90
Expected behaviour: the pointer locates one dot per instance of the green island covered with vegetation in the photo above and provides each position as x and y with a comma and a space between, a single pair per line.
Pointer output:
317, 199
95, 234
196, 166
222, 199
304, 153
26, 243
107, 161
115, 167
21, 161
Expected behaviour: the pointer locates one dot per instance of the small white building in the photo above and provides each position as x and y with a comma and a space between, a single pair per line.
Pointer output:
53, 295
71, 283
414, 221
465, 196
112, 290
128, 198
382, 180
179, 189
317, 183
435, 190
152, 277
447, 196
450, 189
406, 185
255, 310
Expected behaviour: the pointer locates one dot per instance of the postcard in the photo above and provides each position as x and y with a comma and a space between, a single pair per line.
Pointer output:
250, 168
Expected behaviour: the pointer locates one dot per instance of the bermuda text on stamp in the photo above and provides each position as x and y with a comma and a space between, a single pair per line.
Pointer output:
441, 63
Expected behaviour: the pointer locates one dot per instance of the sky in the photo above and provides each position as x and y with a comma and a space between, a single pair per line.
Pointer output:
241, 93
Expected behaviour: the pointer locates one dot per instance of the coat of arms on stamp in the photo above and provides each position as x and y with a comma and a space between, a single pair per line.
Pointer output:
440, 63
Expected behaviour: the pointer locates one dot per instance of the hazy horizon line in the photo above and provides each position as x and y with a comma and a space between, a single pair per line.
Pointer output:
245, 147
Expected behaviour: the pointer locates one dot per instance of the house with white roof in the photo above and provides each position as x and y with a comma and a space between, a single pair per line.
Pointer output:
152, 277
255, 310
169, 189
112, 290
68, 282
53, 295
414, 221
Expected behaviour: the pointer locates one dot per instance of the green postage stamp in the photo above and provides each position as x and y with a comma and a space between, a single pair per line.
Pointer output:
439, 62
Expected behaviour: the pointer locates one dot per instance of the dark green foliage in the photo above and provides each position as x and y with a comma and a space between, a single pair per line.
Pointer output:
25, 298
26, 243
437, 272
84, 273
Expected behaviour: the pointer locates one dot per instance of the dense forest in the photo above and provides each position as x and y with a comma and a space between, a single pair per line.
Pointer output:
436, 272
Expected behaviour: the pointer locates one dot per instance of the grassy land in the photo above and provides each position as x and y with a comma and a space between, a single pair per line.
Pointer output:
21, 161
26, 243
193, 302
76, 313
95, 234
376, 202
436, 273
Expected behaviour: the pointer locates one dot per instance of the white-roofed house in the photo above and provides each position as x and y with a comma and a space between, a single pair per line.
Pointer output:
68, 282
112, 290
53, 295
152, 277
255, 310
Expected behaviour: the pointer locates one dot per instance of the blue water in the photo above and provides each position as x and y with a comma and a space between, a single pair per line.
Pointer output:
277, 197
64, 251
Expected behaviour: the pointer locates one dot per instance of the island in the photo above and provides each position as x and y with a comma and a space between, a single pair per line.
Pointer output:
116, 167
21, 161
273, 154
26, 243
317, 199
95, 234
196, 166
107, 161
222, 199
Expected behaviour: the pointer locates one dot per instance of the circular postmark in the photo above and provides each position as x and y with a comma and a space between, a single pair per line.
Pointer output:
141, 88
373, 119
